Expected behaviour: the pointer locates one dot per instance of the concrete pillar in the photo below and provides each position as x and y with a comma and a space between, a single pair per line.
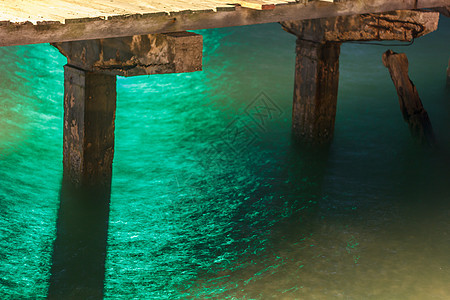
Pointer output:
89, 113
315, 91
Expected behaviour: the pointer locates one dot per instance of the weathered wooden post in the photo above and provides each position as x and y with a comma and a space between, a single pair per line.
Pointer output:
90, 92
89, 113
317, 63
410, 104
316, 82
315, 90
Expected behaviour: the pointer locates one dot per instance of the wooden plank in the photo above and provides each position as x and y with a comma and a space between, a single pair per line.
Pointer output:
61, 10
90, 21
259, 5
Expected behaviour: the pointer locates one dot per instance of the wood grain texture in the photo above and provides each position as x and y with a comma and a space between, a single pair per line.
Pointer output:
315, 91
136, 55
400, 25
89, 114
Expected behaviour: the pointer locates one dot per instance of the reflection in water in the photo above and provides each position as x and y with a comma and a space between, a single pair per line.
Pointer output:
78, 264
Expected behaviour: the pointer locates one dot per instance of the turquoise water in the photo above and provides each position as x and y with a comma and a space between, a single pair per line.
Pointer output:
194, 217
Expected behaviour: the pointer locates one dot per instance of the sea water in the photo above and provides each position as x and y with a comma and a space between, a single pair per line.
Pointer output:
200, 211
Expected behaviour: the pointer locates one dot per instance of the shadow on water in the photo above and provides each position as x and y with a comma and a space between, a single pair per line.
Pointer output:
292, 198
305, 172
78, 262
288, 212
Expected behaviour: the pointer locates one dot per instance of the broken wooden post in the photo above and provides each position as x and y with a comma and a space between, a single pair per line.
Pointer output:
317, 63
410, 104
90, 92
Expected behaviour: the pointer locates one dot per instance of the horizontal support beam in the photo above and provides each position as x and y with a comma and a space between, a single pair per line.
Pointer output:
28, 33
150, 54
401, 25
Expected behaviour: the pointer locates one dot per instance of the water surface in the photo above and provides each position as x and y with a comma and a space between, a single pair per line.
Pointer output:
196, 213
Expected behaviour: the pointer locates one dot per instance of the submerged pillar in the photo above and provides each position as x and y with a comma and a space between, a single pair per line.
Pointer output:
90, 92
317, 63
315, 90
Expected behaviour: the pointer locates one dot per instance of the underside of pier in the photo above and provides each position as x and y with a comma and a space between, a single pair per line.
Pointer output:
103, 39
32, 22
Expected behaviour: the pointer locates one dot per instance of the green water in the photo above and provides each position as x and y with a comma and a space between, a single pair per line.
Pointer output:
197, 215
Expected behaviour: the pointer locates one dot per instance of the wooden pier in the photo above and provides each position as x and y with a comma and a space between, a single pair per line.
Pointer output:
105, 38
34, 21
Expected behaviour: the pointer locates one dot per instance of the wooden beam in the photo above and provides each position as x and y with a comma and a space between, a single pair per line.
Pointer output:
141, 24
402, 25
179, 52
317, 63
90, 93
445, 11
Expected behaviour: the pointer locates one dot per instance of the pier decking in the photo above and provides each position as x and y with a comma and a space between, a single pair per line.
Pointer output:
33, 21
